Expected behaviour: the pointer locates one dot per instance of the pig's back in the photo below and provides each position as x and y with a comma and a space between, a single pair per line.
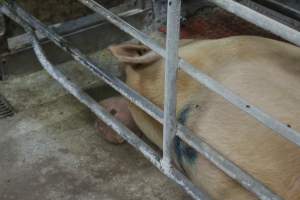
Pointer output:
266, 73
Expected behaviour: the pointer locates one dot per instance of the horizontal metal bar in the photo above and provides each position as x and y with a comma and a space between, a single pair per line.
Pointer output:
260, 20
142, 102
122, 130
231, 169
23, 61
259, 6
23, 40
121, 24
277, 126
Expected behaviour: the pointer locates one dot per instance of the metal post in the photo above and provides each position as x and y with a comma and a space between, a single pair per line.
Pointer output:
171, 65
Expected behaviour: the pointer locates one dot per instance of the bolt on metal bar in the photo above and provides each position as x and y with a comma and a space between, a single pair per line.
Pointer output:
122, 130
171, 63
150, 108
260, 20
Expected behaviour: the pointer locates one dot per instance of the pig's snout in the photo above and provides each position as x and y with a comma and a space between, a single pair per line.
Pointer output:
118, 107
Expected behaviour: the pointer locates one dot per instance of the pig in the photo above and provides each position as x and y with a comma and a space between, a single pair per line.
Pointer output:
263, 71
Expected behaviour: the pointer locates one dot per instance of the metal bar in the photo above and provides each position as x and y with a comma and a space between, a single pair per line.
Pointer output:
171, 63
23, 61
283, 129
271, 12
142, 102
121, 24
260, 20
231, 169
284, 7
23, 40
122, 130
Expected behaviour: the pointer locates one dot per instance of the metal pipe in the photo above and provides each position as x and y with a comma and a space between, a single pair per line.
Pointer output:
231, 169
67, 28
171, 63
260, 20
94, 106
283, 129
122, 130
124, 26
140, 101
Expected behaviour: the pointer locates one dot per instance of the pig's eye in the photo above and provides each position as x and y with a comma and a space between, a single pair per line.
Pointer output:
141, 52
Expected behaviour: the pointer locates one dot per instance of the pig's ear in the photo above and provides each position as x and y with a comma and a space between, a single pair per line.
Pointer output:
133, 54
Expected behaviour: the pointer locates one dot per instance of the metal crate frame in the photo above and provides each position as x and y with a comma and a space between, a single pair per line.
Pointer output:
168, 118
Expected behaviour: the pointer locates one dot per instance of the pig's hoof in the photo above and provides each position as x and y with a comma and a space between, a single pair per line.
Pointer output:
118, 107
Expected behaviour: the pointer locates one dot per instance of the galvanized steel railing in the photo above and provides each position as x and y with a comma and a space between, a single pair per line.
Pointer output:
168, 118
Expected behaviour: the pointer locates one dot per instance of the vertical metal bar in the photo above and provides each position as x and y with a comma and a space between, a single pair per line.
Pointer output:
171, 65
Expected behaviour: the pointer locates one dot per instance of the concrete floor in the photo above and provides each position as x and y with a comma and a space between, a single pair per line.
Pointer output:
51, 150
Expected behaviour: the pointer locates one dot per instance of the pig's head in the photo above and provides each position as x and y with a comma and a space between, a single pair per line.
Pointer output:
144, 75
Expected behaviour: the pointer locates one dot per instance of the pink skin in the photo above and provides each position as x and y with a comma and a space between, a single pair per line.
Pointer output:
118, 107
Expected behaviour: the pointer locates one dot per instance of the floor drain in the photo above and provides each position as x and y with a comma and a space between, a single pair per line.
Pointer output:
6, 109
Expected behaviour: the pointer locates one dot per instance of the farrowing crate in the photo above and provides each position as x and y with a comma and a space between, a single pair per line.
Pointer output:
167, 118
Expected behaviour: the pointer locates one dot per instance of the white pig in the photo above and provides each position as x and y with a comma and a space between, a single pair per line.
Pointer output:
265, 72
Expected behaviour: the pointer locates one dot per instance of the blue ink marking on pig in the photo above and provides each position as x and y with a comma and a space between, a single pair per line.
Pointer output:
182, 150
183, 115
